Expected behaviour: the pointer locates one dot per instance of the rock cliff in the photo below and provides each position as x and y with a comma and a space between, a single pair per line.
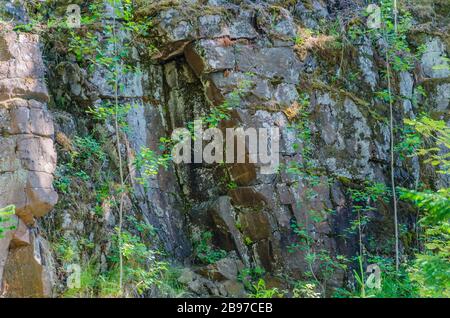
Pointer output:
291, 70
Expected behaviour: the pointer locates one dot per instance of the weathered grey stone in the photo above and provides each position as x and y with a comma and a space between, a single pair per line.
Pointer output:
21, 56
264, 256
15, 9
36, 153
64, 122
13, 193
186, 276
34, 119
286, 196
278, 25
284, 25
208, 56
212, 26
406, 85
241, 26
285, 94
442, 97
226, 268
277, 62
183, 30
131, 83
23, 88
9, 162
433, 63
406, 90
238, 42
365, 63
228, 83
220, 213
234, 289
229, 267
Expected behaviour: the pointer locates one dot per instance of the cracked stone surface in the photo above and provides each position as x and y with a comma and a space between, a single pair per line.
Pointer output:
27, 162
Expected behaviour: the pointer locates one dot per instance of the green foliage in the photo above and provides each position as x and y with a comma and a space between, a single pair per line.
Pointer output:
399, 53
394, 284
250, 276
89, 279
204, 250
86, 154
360, 278
326, 265
220, 113
131, 23
431, 269
87, 148
149, 162
25, 27
322, 265
83, 46
305, 290
304, 239
5, 216
170, 284
143, 268
409, 143
253, 281
107, 112
363, 202
435, 204
65, 250
304, 169
434, 132
231, 185
142, 227
259, 290
248, 241
372, 192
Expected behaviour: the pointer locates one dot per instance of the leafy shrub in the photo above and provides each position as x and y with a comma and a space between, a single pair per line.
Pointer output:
204, 250
259, 290
5, 215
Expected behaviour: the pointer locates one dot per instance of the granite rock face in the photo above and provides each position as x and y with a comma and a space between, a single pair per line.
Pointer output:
207, 57
27, 162
208, 50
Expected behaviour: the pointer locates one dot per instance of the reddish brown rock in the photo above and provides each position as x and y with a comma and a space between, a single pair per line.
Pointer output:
247, 196
255, 225
24, 274
27, 162
21, 235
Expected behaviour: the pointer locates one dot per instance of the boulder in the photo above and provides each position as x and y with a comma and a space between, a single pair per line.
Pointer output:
226, 268
27, 272
222, 215
255, 225
234, 289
